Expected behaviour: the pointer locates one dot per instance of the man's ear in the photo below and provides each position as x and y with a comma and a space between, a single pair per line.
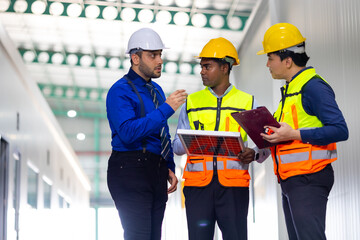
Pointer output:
289, 62
225, 68
135, 59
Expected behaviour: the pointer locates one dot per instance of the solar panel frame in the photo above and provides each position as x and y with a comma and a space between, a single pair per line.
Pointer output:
211, 143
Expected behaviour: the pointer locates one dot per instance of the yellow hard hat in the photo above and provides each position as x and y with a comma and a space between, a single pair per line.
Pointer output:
281, 36
219, 48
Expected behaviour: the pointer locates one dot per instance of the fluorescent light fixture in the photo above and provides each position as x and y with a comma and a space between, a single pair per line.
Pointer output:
46, 91
70, 93
94, 94
82, 93
80, 136
110, 13
221, 5
234, 23
74, 10
20, 6
56, 8
199, 20
202, 4
71, 113
128, 14
4, 5
216, 21
163, 17
146, 16
38, 7
92, 11
72, 59
181, 18
43, 57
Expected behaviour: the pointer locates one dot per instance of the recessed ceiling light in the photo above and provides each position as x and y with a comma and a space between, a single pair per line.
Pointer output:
57, 58
181, 18
114, 63
110, 13
38, 7
183, 3
92, 11
165, 2
234, 23
216, 21
94, 94
128, 14
185, 68
56, 8
171, 67
163, 17
71, 113
29, 56
146, 16
70, 93
86, 61
199, 20
80, 136
43, 57
72, 59
82, 93
20, 6
100, 61
74, 10
59, 91
4, 5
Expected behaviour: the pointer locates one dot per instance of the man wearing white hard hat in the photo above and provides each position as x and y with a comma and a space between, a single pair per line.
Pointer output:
142, 160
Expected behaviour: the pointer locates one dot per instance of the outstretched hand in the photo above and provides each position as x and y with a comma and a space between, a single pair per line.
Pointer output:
176, 99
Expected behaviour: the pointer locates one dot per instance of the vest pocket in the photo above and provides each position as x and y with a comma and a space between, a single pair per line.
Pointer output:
294, 157
195, 169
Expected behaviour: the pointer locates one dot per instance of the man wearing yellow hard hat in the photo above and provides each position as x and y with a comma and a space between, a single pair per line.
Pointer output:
311, 124
217, 188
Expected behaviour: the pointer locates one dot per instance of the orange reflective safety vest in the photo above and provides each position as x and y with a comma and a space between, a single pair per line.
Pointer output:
207, 112
295, 157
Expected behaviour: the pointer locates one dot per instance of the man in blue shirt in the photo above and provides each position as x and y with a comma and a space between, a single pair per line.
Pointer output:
142, 160
311, 124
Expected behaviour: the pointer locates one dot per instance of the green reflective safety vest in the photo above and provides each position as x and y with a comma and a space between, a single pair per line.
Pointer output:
295, 157
209, 113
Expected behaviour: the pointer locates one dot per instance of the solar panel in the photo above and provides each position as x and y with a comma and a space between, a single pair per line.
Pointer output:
211, 143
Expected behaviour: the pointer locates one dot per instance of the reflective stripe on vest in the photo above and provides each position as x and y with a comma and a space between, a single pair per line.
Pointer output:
230, 164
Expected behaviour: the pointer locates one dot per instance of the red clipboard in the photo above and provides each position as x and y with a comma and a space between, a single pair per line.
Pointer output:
253, 122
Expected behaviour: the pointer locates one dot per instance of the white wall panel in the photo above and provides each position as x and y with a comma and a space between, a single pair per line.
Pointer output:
332, 29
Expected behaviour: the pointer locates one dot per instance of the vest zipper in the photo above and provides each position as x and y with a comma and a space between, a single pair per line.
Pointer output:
218, 112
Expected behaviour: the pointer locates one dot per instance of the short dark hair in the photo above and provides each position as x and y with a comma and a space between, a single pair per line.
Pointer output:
300, 59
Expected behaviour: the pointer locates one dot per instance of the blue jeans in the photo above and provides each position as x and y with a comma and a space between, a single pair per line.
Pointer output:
304, 199
138, 186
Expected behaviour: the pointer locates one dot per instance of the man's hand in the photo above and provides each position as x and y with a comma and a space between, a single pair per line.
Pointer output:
284, 133
173, 181
176, 99
247, 156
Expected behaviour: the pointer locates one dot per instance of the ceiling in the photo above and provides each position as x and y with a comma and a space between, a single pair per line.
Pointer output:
74, 50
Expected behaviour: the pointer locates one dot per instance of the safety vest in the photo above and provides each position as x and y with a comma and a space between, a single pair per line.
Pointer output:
209, 113
295, 157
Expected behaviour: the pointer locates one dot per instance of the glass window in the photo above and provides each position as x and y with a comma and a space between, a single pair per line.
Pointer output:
32, 188
47, 194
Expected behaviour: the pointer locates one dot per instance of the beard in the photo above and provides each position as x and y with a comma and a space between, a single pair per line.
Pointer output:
148, 72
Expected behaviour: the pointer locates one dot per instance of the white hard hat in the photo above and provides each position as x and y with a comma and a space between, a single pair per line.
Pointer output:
145, 39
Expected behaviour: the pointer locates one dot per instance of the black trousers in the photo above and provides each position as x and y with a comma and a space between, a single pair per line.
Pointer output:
304, 199
228, 206
138, 185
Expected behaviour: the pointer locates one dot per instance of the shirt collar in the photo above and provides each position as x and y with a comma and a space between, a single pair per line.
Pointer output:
226, 92
136, 78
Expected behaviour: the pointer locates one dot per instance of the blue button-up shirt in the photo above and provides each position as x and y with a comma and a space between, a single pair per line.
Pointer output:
124, 114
